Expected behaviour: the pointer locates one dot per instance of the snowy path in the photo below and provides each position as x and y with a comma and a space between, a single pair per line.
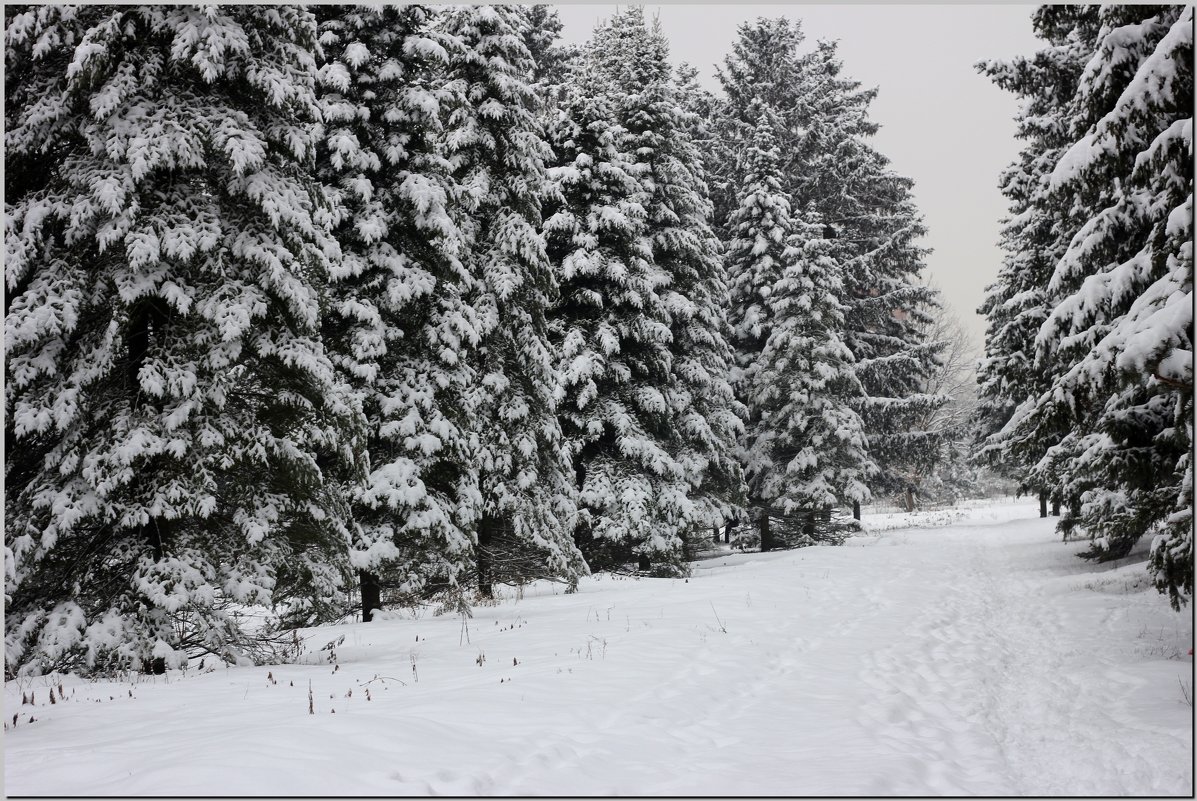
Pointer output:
982, 658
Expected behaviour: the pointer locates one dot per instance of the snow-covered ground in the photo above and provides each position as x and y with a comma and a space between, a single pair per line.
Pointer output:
978, 656
975, 511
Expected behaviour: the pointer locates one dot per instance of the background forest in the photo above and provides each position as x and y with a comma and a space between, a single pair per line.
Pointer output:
316, 308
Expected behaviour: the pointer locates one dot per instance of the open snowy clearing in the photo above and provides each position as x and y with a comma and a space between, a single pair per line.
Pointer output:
979, 657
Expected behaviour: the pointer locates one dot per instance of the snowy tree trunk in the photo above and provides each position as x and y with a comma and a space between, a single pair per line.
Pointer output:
486, 535
766, 534
148, 320
1074, 509
1055, 507
155, 666
909, 498
371, 594
1043, 503
856, 510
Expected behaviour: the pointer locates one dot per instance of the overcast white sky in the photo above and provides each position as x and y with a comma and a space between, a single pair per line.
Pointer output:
942, 124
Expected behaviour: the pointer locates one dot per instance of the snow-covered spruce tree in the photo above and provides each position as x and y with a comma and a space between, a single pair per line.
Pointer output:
551, 61
889, 315
869, 218
761, 229
810, 444
398, 326
1120, 334
612, 330
762, 69
633, 63
1034, 238
709, 418
823, 119
699, 104
497, 153
803, 448
175, 436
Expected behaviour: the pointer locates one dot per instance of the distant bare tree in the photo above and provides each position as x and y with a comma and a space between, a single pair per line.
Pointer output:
956, 378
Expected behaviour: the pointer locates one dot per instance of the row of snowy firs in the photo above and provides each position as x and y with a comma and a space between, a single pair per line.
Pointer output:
1086, 388
400, 303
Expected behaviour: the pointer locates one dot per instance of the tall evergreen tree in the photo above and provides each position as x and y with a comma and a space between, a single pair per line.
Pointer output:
804, 448
614, 336
889, 314
399, 327
810, 439
1034, 237
761, 229
497, 152
174, 430
1117, 342
868, 217
869, 214
632, 60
